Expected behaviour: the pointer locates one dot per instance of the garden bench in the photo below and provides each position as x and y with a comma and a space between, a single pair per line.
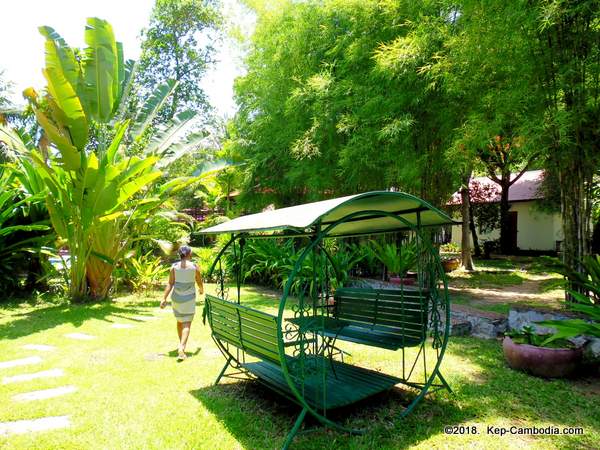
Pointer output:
255, 332
385, 318
252, 331
293, 351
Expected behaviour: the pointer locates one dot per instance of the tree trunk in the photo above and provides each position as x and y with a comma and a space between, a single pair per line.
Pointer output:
467, 259
476, 247
505, 241
575, 212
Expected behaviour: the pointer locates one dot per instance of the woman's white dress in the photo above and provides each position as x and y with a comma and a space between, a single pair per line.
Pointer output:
183, 297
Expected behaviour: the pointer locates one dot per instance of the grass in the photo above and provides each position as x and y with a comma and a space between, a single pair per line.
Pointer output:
499, 273
133, 394
503, 283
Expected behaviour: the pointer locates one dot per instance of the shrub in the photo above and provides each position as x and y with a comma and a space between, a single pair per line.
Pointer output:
143, 272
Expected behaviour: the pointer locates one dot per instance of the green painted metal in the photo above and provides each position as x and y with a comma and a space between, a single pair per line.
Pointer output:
296, 355
304, 218
295, 428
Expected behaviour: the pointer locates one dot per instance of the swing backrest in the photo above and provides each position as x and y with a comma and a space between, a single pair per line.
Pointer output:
402, 313
252, 331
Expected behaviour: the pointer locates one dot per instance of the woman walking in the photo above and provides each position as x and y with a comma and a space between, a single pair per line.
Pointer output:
183, 277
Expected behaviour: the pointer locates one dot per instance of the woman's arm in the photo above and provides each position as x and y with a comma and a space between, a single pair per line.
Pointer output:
169, 288
199, 280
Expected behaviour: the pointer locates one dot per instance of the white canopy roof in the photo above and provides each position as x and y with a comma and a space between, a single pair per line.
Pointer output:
368, 219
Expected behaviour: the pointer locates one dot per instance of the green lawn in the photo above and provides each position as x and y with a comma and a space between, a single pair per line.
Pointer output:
502, 272
133, 394
503, 283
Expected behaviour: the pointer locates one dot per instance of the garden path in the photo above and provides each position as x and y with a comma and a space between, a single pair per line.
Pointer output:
47, 423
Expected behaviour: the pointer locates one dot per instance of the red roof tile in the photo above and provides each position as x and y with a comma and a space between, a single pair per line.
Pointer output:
525, 188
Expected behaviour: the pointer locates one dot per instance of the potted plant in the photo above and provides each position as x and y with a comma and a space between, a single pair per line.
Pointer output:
450, 263
398, 260
586, 301
541, 354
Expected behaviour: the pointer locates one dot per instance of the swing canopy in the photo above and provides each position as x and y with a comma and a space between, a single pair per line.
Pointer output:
366, 209
299, 352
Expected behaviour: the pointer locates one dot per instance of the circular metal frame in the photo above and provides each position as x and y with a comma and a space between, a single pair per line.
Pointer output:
317, 239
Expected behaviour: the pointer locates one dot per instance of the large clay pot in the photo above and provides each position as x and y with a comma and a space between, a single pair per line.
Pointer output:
450, 264
542, 361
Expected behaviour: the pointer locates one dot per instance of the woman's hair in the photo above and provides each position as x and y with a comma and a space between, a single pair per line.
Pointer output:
185, 251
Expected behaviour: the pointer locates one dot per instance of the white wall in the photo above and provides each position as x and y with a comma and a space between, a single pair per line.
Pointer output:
535, 230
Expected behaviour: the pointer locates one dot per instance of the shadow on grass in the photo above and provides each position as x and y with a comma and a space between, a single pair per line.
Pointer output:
487, 393
259, 418
49, 317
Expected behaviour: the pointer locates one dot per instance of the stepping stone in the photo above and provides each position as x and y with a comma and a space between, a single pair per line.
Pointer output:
121, 325
20, 362
154, 356
44, 394
27, 426
32, 376
39, 347
80, 336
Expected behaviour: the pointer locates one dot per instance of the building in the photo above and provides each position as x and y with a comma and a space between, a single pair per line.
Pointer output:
531, 229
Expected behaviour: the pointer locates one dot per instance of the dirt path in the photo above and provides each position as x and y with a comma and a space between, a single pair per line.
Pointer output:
527, 293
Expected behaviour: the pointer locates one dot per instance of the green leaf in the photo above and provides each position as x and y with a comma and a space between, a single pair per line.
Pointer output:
130, 189
116, 142
106, 259
169, 134
12, 140
8, 230
100, 67
151, 108
130, 69
67, 100
70, 157
58, 219
60, 56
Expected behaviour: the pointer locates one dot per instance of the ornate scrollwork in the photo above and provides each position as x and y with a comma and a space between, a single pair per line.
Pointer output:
438, 310
222, 289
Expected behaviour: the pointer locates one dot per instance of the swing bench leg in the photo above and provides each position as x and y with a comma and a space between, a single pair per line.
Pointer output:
223, 371
444, 382
294, 430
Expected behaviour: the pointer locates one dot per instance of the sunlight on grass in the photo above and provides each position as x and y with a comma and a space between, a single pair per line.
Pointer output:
133, 394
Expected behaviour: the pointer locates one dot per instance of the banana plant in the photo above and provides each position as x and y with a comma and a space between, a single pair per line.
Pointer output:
97, 188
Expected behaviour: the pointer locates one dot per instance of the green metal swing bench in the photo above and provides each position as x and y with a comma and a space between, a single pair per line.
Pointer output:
297, 352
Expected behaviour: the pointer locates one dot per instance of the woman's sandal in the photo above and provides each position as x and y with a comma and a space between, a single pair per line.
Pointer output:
181, 355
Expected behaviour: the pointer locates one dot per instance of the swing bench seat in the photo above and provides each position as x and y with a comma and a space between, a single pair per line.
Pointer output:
255, 332
384, 318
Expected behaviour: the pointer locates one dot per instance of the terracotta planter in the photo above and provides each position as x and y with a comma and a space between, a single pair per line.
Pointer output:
541, 361
450, 264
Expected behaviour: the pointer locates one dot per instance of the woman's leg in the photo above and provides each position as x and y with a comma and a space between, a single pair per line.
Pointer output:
179, 329
185, 334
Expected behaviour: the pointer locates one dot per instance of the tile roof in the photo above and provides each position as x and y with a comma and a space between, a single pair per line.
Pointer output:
525, 188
